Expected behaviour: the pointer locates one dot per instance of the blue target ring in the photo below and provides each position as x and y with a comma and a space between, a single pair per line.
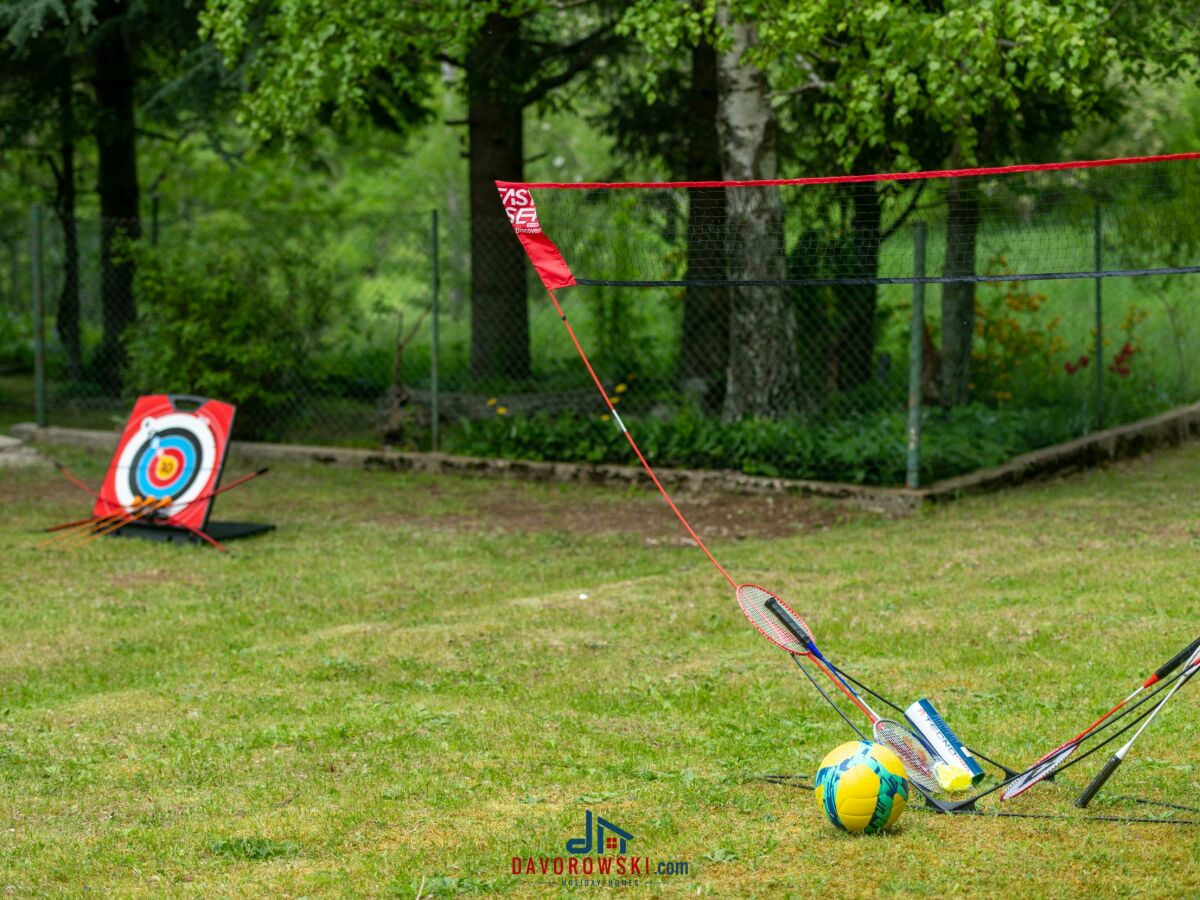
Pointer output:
166, 465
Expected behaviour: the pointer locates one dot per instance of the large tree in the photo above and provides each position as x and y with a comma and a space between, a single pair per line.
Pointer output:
101, 53
1008, 81
39, 96
344, 60
763, 364
675, 128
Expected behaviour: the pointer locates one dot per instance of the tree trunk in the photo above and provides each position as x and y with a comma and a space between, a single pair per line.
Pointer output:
499, 306
67, 318
857, 302
704, 342
763, 376
113, 82
958, 298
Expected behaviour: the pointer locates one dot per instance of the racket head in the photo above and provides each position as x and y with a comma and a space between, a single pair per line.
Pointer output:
753, 601
1040, 771
918, 762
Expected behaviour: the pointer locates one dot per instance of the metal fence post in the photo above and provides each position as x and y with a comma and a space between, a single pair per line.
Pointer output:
37, 290
916, 363
1099, 249
433, 312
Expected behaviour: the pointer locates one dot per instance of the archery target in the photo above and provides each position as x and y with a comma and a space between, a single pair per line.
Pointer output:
169, 454
171, 458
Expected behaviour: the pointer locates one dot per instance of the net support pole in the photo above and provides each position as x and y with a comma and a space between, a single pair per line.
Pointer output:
435, 290
1097, 240
916, 362
38, 296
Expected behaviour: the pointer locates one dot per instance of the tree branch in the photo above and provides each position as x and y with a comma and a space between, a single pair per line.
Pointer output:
903, 217
580, 55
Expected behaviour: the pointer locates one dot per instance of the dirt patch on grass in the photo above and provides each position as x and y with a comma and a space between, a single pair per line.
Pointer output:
714, 516
39, 486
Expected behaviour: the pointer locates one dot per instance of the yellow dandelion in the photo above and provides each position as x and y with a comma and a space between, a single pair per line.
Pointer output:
621, 388
502, 410
614, 400
604, 417
492, 401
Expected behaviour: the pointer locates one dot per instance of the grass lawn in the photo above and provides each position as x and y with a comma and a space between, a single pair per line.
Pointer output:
403, 688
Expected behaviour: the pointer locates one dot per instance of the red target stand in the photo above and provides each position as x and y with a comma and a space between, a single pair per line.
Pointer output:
164, 476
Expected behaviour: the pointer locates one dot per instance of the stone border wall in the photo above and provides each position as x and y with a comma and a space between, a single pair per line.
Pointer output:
1167, 429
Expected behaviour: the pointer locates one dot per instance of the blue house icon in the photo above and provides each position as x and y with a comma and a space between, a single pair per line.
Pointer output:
607, 837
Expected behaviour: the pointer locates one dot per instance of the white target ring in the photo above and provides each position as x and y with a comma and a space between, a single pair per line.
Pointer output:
172, 456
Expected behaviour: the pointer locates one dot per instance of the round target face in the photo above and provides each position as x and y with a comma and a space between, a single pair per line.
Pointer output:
172, 457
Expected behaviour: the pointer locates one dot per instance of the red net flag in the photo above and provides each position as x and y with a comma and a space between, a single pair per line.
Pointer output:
169, 451
522, 214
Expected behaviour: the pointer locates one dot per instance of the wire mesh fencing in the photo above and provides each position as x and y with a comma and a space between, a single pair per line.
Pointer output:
419, 332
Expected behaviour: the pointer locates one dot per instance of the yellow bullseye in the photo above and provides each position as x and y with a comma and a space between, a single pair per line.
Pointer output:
164, 468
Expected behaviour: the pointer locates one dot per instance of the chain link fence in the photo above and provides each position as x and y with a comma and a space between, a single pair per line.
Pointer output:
412, 331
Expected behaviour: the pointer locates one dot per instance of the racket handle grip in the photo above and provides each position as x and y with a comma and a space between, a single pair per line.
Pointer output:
786, 620
1098, 782
1174, 662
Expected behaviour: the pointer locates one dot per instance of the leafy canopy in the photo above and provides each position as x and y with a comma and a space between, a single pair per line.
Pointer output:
873, 70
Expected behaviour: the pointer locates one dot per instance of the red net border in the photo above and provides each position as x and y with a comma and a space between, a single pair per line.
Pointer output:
851, 179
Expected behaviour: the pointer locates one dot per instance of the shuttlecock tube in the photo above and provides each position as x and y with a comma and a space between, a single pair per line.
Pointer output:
929, 724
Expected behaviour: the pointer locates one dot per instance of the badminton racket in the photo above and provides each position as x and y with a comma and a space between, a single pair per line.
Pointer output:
1117, 758
778, 623
1053, 761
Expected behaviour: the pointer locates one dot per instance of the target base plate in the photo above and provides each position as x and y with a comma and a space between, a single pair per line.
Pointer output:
218, 531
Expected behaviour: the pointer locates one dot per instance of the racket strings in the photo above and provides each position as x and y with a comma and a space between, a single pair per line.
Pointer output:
917, 761
753, 601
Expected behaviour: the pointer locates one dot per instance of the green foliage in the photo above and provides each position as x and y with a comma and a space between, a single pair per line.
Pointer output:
1017, 347
870, 75
229, 312
16, 342
859, 448
380, 61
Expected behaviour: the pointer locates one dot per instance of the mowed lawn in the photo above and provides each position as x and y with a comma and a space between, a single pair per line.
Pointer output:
404, 687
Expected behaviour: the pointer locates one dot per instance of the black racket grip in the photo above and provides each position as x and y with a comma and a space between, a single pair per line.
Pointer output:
1098, 782
1177, 660
789, 623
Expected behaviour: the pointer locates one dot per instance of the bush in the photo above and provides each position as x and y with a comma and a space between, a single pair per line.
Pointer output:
229, 312
16, 343
867, 448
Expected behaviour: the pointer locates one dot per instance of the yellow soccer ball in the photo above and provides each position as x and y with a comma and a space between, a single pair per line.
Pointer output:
861, 787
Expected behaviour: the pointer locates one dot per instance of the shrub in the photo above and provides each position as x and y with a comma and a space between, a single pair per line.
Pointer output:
228, 312
867, 448
16, 342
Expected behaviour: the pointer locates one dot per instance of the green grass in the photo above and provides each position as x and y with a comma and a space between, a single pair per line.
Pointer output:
402, 689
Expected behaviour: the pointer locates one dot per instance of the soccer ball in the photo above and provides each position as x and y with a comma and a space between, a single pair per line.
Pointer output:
861, 787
